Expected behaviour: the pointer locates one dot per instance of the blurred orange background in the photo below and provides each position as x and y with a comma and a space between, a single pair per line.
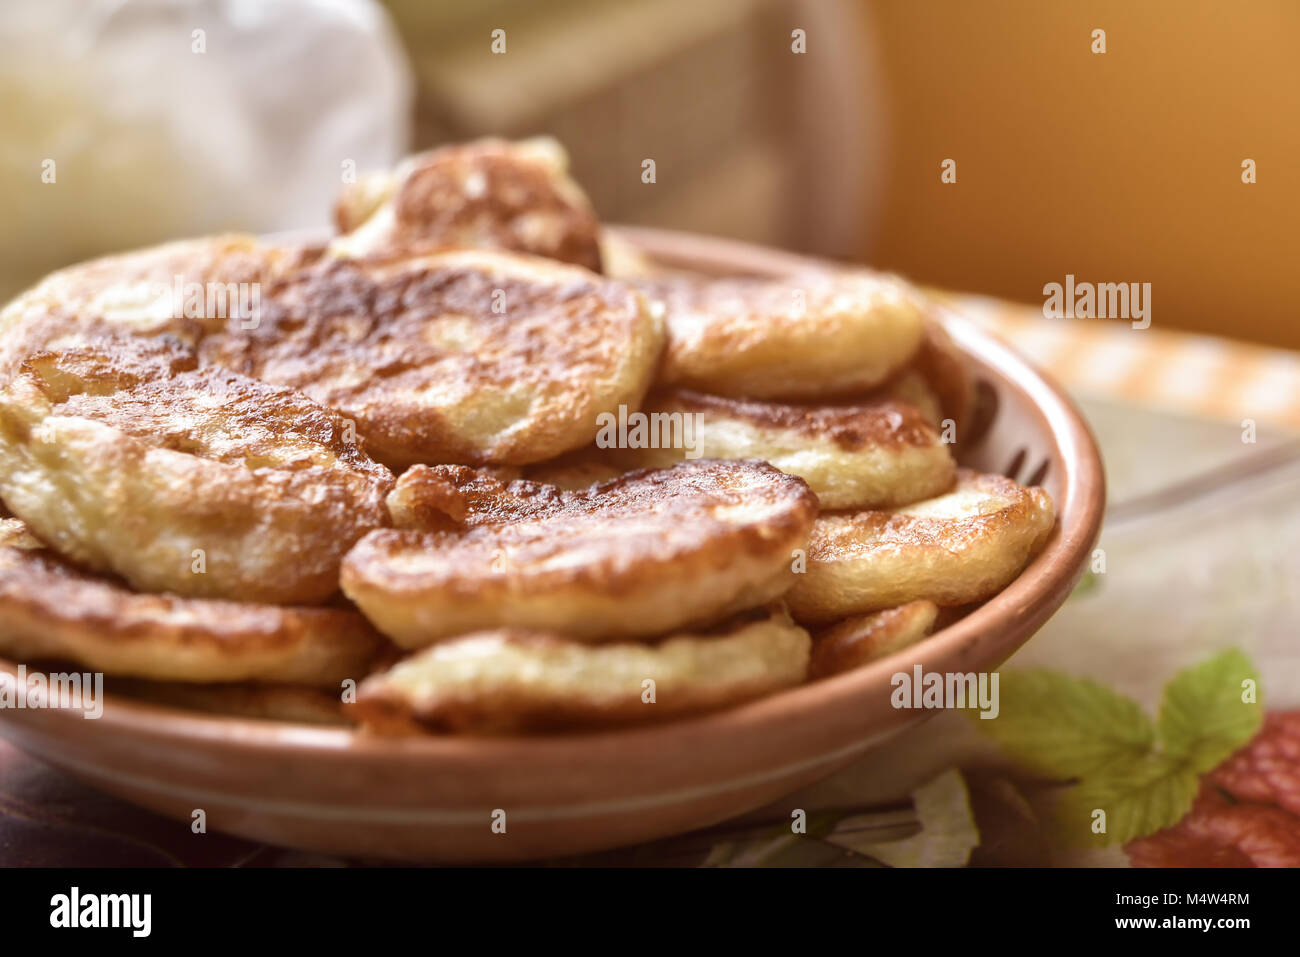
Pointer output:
1122, 166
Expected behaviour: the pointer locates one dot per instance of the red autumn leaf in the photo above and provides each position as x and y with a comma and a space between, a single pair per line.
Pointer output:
1173, 847
1247, 813
1266, 771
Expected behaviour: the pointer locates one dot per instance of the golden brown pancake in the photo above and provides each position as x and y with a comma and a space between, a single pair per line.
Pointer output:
489, 194
870, 453
179, 290
204, 483
51, 609
911, 387
958, 548
806, 336
472, 357
510, 680
945, 370
938, 381
861, 639
642, 555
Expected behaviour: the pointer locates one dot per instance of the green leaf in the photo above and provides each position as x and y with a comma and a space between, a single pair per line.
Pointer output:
1139, 797
1062, 727
1202, 716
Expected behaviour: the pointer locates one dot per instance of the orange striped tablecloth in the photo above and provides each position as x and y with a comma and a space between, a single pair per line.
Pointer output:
1197, 375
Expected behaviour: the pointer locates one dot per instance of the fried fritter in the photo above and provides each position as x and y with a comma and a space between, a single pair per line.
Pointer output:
872, 453
179, 290
937, 381
943, 368
856, 641
812, 335
51, 609
911, 387
489, 194
202, 483
509, 680
958, 548
638, 556
469, 356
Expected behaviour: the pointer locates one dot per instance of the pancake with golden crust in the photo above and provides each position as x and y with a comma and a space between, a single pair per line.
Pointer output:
202, 483
180, 290
938, 381
638, 556
871, 453
511, 680
911, 387
811, 335
51, 609
471, 357
945, 370
958, 548
489, 194
861, 639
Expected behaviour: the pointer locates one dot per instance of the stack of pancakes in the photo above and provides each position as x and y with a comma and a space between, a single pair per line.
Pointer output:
378, 495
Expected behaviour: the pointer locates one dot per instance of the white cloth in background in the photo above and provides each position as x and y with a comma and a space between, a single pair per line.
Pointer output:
152, 139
